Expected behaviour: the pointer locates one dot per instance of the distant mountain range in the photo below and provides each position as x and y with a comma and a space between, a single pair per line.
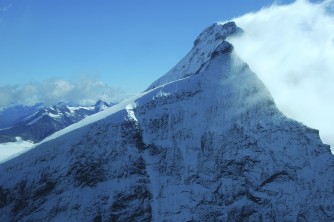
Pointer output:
36, 122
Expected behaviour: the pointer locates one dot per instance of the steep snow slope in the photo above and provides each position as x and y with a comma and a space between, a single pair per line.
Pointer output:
207, 146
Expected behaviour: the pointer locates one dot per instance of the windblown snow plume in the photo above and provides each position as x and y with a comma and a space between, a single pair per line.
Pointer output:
84, 91
291, 48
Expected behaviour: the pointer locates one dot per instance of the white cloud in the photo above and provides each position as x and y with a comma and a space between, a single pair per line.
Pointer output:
291, 48
13, 149
83, 91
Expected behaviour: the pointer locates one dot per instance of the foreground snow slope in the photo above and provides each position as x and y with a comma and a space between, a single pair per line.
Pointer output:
209, 145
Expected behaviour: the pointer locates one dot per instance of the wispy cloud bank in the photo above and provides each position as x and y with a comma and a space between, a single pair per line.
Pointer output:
83, 91
291, 48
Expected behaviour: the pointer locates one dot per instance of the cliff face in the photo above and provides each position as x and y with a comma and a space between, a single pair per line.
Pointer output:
207, 144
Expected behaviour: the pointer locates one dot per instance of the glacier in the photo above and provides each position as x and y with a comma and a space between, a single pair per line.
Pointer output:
205, 142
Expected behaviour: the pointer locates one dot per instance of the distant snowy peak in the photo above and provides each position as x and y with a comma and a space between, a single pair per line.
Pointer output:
16, 113
101, 105
196, 60
59, 111
41, 121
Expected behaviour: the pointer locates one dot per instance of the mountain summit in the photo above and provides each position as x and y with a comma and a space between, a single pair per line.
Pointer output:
201, 52
204, 143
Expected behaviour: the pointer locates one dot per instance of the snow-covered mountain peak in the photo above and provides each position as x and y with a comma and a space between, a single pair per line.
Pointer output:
205, 143
101, 105
218, 31
197, 59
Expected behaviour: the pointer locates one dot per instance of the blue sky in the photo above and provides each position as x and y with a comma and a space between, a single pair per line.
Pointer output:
125, 43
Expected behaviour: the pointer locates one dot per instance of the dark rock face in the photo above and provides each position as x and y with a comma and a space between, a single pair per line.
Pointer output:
211, 146
89, 164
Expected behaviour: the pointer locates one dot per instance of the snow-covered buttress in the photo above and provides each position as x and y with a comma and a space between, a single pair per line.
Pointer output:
204, 143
